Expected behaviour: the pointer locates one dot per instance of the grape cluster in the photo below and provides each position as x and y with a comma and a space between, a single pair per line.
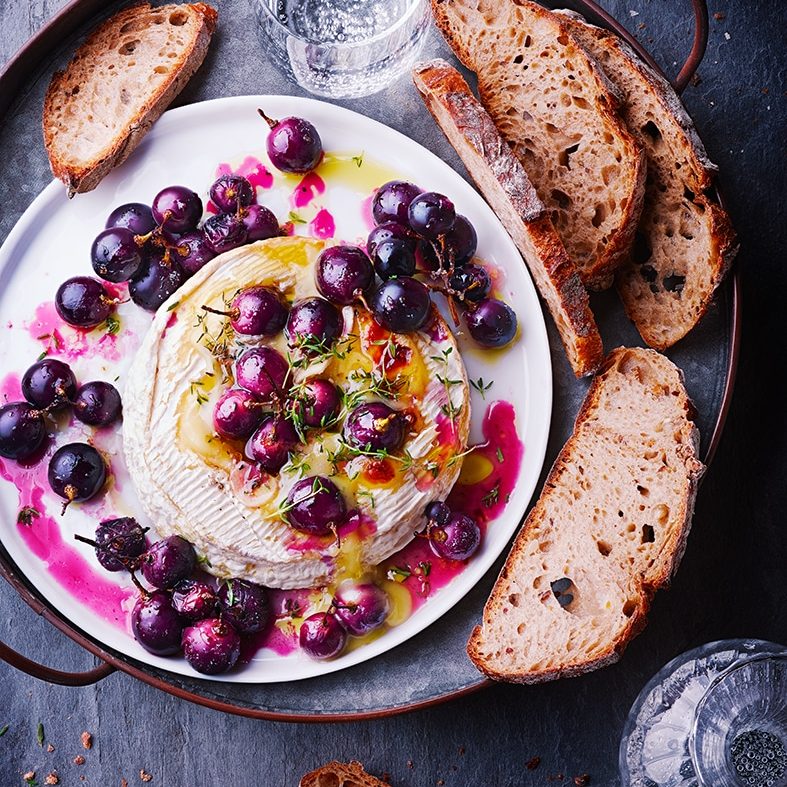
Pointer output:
77, 471
181, 611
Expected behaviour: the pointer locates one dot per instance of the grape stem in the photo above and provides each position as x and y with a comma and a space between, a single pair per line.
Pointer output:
270, 121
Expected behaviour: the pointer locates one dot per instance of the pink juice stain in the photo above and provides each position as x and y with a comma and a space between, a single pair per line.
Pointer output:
322, 226
11, 389
250, 168
280, 634
58, 338
310, 187
484, 501
64, 563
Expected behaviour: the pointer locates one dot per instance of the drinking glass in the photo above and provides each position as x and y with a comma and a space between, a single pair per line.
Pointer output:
713, 717
343, 48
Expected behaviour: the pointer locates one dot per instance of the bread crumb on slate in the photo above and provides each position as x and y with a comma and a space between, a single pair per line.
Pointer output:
144, 775
410, 764
50, 748
533, 763
87, 740
720, 16
582, 781
29, 776
79, 760
52, 778
123, 783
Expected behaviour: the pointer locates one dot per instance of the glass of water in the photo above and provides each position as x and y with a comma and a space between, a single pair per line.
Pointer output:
343, 48
713, 717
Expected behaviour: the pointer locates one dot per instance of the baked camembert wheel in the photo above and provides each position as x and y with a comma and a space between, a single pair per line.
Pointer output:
215, 491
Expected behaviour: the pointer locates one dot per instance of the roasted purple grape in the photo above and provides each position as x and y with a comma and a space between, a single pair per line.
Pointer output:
361, 607
260, 223
119, 542
492, 323
457, 539
293, 144
431, 215
156, 282
97, 404
313, 326
193, 252
156, 625
392, 200
401, 305
194, 599
343, 273
237, 414
76, 472
472, 281
270, 446
211, 646
116, 256
244, 605
83, 302
374, 427
177, 208
231, 192
315, 403
322, 636
224, 232
133, 216
168, 561
315, 505
262, 371
22, 430
49, 384
258, 311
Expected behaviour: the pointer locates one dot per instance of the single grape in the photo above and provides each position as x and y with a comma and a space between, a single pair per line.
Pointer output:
22, 430
262, 371
49, 384
97, 404
431, 215
156, 625
224, 232
194, 599
270, 446
244, 605
211, 646
313, 325
361, 606
155, 282
293, 144
401, 305
76, 472
394, 258
492, 323
392, 200
460, 242
168, 561
391, 230
375, 426
193, 252
322, 636
343, 273
177, 208
237, 414
115, 254
315, 505
231, 192
457, 539
83, 302
258, 311
260, 223
133, 216
315, 403
472, 281
438, 513
119, 542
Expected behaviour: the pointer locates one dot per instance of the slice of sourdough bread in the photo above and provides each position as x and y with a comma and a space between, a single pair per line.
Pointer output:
685, 242
560, 114
119, 83
506, 186
339, 774
608, 531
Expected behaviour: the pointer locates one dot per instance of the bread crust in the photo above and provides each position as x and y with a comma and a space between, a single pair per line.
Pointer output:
339, 774
493, 166
600, 274
657, 575
84, 178
699, 176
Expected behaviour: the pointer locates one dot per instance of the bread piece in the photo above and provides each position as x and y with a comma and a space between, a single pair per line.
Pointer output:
685, 242
506, 186
559, 113
608, 531
339, 774
120, 81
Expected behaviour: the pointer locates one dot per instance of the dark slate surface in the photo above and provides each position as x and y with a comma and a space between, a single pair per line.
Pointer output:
732, 579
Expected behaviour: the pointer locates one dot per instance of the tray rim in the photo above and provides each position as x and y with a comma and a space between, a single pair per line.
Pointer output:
15, 74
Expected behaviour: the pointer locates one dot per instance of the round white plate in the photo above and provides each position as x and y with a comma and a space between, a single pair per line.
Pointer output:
51, 242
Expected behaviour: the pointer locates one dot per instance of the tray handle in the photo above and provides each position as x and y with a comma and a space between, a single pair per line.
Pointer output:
698, 45
20, 662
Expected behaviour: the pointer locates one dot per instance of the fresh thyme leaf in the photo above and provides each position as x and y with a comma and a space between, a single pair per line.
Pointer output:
481, 386
202, 560
492, 496
367, 494
500, 455
3, 730
425, 566
359, 159
40, 734
230, 593
41, 355
173, 306
27, 515
112, 325
456, 457
295, 218
398, 574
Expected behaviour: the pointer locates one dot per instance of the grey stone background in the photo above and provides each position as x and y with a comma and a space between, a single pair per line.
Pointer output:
732, 579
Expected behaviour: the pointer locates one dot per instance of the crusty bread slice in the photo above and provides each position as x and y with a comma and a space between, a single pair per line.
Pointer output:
339, 774
506, 186
685, 241
608, 531
120, 81
559, 113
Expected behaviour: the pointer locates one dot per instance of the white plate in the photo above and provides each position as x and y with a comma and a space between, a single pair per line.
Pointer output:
52, 240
